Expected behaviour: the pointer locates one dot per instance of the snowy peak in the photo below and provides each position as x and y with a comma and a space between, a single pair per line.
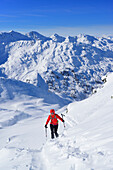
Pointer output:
71, 39
81, 38
12, 36
91, 38
57, 38
87, 39
37, 36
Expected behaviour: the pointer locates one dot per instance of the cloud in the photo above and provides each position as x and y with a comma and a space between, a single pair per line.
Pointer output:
19, 14
33, 15
7, 15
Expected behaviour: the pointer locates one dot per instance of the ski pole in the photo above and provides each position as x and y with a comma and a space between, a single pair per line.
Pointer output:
63, 119
46, 132
64, 124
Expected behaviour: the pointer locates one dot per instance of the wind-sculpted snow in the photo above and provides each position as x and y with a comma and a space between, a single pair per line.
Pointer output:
11, 89
14, 120
71, 67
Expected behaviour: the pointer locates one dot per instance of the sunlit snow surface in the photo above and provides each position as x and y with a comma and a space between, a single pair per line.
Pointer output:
85, 143
72, 64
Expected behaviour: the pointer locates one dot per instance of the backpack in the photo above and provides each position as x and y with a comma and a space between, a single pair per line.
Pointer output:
52, 118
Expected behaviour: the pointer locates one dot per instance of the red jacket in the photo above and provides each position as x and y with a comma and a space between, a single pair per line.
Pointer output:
53, 118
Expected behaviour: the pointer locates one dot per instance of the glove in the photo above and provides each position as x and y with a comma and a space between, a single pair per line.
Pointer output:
45, 126
63, 121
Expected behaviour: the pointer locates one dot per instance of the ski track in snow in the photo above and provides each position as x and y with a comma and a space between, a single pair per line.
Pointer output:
31, 158
63, 152
11, 152
66, 152
59, 153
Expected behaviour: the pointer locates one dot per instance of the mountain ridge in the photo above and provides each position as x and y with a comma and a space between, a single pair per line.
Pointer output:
70, 66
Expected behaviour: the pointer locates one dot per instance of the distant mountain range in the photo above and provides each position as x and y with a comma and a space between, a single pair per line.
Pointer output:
71, 67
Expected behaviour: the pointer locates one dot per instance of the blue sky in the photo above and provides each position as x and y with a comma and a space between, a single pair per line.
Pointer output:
66, 17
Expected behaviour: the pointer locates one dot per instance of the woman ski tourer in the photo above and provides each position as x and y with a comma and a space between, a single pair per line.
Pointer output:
53, 122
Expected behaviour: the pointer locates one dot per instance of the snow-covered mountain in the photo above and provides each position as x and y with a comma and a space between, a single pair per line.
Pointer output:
36, 36
38, 73
57, 38
72, 67
12, 36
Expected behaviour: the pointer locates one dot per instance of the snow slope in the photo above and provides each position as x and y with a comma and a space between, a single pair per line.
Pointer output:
11, 89
85, 143
23, 112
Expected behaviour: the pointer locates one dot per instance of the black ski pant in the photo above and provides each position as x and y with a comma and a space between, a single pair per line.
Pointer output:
54, 129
